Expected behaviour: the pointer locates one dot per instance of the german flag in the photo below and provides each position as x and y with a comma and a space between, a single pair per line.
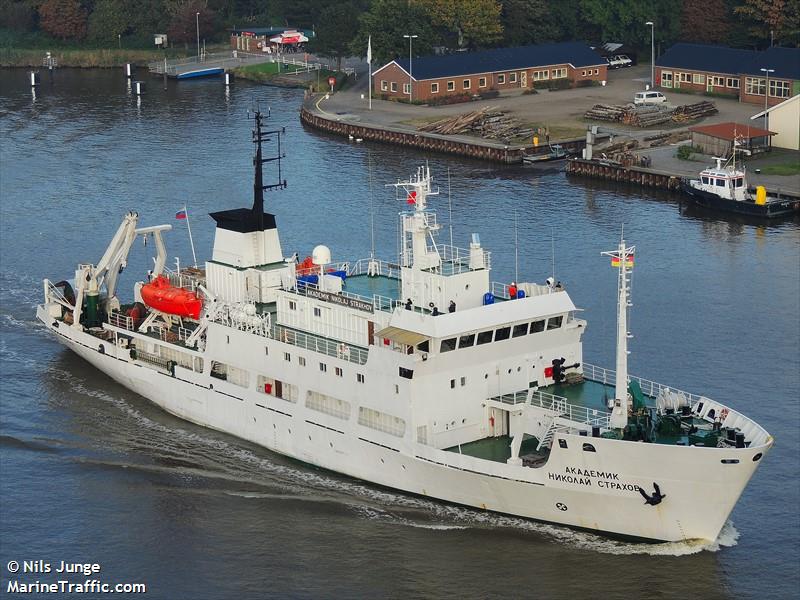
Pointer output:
615, 261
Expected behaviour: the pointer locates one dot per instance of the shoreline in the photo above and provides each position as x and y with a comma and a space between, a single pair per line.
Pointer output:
98, 58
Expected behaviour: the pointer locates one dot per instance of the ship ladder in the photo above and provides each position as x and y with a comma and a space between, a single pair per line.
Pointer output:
547, 440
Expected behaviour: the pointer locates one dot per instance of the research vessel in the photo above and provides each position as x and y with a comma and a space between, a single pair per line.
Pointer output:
420, 374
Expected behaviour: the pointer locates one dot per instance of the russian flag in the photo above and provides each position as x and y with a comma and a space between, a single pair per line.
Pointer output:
181, 214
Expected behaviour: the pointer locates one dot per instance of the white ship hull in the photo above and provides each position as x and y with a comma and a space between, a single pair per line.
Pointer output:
591, 490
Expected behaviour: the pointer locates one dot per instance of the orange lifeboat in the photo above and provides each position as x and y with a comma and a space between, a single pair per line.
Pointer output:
161, 295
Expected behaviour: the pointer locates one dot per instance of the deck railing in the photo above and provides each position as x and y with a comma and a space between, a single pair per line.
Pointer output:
118, 319
558, 404
373, 266
317, 343
649, 388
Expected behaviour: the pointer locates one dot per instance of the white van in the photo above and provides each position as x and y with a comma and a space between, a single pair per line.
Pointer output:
649, 98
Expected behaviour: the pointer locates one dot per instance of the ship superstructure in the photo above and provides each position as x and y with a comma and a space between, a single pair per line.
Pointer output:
420, 374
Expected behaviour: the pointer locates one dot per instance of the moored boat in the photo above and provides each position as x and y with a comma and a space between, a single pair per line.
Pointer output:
724, 188
351, 366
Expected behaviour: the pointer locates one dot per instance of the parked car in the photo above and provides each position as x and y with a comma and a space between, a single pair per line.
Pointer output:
649, 98
619, 60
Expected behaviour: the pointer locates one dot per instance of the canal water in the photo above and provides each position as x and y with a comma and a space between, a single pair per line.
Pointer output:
93, 473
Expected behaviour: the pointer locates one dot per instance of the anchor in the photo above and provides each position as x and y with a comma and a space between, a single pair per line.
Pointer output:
656, 498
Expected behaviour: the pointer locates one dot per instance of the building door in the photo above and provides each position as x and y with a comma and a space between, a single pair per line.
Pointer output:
709, 84
523, 79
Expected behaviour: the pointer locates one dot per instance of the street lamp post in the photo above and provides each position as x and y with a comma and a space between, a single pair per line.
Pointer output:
197, 20
652, 53
766, 93
410, 85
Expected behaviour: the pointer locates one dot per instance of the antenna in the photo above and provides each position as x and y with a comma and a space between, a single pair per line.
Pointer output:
516, 246
259, 136
450, 207
553, 250
371, 207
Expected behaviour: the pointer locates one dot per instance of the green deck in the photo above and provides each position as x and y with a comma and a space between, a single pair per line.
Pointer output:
368, 286
497, 449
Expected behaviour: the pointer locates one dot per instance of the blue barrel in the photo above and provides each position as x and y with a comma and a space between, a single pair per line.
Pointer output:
520, 294
488, 298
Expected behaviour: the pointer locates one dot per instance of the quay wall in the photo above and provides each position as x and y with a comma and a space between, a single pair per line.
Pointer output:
611, 172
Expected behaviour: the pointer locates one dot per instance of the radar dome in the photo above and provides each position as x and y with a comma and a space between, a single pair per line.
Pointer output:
321, 255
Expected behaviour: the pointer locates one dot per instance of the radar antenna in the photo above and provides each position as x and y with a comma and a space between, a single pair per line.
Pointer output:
260, 136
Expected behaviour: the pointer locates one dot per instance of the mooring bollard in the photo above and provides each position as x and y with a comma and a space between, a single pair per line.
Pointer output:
34, 78
128, 70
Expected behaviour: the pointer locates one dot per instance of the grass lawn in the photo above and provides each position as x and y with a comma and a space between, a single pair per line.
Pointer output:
785, 169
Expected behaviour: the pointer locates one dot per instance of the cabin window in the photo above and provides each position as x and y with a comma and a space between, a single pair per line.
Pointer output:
301, 361
463, 381
394, 86
292, 305
501, 78
484, 337
317, 311
738, 182
406, 373
451, 85
452, 384
466, 341
424, 346
537, 326
323, 367
360, 377
720, 183
466, 84
287, 357
502, 333
562, 443
554, 322
434, 88
482, 82
704, 179
447, 345
384, 85
339, 371
588, 448
520, 330
732, 83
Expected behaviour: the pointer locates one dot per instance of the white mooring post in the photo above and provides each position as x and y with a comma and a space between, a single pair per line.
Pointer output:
34, 76
227, 78
138, 87
128, 70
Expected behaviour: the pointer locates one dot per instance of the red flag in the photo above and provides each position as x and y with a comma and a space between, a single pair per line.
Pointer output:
181, 214
412, 198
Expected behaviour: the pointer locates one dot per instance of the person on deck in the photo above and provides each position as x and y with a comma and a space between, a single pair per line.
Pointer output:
409, 304
452, 307
512, 290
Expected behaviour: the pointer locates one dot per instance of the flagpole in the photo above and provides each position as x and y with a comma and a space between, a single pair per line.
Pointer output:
191, 241
369, 65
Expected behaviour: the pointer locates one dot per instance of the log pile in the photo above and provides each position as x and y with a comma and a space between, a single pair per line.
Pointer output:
649, 115
488, 123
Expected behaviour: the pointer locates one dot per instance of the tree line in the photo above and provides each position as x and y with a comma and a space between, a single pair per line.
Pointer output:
342, 27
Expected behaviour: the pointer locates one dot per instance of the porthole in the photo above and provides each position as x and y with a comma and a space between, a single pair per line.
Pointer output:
486, 376
730, 461
383, 461
330, 444
757, 457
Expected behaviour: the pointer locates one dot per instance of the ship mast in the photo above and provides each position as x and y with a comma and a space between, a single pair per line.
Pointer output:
259, 136
623, 259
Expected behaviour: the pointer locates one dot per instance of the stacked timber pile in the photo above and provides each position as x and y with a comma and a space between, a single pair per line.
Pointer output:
662, 139
488, 123
649, 115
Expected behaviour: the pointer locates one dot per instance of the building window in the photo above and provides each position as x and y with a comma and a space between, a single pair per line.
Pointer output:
501, 78
666, 79
451, 85
394, 86
482, 82
384, 85
754, 86
732, 82
292, 305
323, 367
583, 73
559, 73
339, 371
597, 71
407, 89
466, 84
717, 81
778, 89
683, 77
301, 361
512, 78
541, 75
434, 88
698, 78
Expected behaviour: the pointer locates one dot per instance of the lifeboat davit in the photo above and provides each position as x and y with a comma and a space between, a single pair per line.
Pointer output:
161, 295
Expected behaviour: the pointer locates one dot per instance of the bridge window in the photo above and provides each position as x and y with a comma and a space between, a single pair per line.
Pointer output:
562, 443
704, 179
407, 373
484, 337
466, 341
720, 183
588, 448
537, 326
520, 330
448, 345
502, 333
554, 323
424, 346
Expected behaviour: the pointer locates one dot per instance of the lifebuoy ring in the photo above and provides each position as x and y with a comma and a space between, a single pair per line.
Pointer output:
491, 421
723, 414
